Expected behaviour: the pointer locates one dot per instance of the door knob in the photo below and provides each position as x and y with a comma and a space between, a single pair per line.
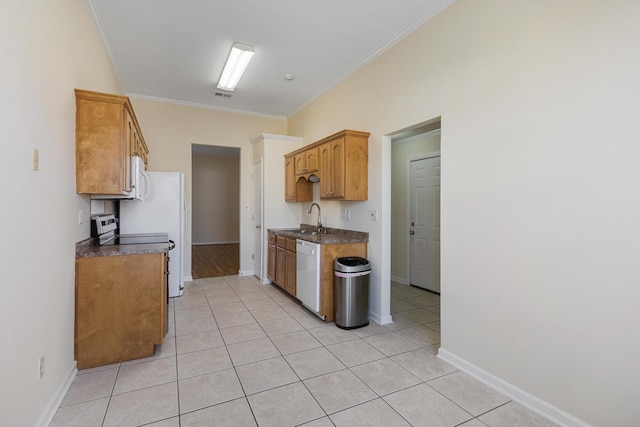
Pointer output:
412, 232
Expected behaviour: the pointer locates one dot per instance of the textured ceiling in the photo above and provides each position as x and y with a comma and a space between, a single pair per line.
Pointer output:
175, 49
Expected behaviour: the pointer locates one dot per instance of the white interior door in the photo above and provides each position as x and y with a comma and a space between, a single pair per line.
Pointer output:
257, 220
424, 223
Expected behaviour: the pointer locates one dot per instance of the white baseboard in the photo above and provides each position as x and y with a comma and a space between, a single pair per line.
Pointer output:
266, 281
188, 278
401, 280
54, 403
545, 409
245, 272
380, 320
214, 243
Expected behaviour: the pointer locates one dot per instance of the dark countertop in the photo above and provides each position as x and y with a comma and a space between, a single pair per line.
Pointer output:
86, 248
332, 237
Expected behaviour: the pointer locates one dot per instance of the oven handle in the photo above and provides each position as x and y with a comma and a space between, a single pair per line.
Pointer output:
172, 244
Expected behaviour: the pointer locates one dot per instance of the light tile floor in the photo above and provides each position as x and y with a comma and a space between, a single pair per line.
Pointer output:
240, 353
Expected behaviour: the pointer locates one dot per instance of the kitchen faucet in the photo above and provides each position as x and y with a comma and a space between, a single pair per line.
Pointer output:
319, 216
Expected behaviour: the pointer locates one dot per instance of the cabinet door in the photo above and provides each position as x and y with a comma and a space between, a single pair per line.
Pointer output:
290, 286
338, 170
100, 153
311, 160
332, 168
325, 171
301, 164
281, 266
271, 262
290, 179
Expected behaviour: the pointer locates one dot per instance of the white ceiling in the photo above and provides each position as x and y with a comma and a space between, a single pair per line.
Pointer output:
175, 49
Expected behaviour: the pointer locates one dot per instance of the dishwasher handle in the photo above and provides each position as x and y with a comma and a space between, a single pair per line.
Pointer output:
305, 248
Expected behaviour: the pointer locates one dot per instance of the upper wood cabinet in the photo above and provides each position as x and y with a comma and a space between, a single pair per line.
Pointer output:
107, 137
297, 188
307, 162
342, 164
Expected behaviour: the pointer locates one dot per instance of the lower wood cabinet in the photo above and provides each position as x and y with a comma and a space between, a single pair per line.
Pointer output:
121, 308
281, 267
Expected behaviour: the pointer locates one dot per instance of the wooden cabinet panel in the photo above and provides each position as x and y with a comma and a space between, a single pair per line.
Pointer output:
107, 135
120, 304
327, 275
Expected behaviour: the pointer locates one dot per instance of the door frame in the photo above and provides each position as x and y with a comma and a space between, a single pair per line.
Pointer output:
258, 258
408, 219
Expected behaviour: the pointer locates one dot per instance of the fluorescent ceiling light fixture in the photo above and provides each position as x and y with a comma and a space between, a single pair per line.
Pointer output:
237, 62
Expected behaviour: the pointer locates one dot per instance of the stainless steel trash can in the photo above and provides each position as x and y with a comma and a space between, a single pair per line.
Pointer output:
352, 292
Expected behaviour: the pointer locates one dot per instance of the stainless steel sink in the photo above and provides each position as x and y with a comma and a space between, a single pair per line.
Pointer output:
307, 232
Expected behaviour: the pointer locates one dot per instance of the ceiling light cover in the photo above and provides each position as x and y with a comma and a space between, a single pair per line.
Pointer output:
237, 62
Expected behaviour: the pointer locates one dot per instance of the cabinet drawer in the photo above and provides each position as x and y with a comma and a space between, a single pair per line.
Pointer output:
291, 245
272, 238
281, 241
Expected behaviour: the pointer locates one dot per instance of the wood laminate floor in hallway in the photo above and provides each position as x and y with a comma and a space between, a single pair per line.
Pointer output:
215, 260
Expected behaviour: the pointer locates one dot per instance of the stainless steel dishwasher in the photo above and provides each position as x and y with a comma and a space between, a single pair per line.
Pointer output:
308, 259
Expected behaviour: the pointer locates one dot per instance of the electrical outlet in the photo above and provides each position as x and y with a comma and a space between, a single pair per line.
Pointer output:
80, 216
41, 367
373, 215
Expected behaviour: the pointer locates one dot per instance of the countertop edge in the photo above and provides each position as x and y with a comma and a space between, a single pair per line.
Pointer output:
332, 237
87, 249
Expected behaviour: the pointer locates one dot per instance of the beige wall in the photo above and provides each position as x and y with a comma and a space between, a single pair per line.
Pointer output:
540, 225
171, 129
216, 199
48, 49
401, 152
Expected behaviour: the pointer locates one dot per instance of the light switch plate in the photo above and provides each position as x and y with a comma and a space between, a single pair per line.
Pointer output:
34, 160
373, 215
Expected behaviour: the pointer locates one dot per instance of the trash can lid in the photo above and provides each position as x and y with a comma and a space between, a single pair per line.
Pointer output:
352, 264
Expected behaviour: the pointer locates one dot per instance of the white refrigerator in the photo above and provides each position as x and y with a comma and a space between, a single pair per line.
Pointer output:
163, 211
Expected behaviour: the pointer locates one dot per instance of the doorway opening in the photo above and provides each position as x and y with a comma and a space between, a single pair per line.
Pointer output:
415, 155
215, 217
